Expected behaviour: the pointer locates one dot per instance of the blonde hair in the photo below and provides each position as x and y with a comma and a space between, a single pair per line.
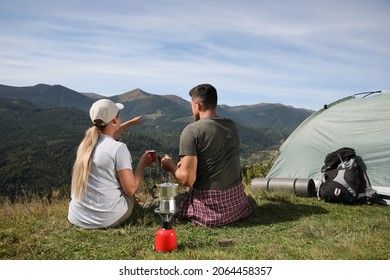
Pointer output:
82, 165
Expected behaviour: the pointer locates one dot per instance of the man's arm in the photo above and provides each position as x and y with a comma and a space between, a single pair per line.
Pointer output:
184, 171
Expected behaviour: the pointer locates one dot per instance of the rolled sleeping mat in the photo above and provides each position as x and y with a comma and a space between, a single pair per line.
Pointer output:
298, 186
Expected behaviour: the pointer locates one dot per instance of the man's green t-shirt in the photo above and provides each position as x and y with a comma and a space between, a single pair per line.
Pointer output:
216, 143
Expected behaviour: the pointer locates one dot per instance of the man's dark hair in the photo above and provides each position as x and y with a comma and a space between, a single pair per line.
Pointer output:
206, 94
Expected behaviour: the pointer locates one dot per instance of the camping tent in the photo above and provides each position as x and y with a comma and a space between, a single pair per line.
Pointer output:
360, 121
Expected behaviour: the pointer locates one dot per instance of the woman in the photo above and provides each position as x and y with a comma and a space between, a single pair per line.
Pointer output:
103, 181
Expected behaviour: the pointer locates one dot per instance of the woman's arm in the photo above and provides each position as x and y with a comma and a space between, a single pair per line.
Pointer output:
130, 180
125, 125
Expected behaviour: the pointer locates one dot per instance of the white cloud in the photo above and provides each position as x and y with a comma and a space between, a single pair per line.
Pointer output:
300, 53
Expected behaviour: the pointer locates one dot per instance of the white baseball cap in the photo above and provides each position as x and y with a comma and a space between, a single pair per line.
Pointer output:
105, 110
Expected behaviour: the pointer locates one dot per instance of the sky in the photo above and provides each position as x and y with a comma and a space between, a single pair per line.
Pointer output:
299, 53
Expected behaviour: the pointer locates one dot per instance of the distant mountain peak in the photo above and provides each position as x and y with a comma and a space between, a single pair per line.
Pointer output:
93, 95
41, 85
47, 96
46, 86
133, 95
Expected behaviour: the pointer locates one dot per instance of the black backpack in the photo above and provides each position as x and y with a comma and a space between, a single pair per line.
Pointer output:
343, 180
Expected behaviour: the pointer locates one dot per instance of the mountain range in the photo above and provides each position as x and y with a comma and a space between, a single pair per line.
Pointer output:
42, 125
167, 112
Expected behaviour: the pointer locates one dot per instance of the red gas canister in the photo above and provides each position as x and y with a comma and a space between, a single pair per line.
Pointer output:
166, 239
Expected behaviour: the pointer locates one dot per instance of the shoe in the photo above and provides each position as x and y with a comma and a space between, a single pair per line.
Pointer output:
153, 191
152, 204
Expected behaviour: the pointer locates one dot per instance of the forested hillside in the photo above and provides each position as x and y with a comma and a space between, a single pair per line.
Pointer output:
38, 147
41, 127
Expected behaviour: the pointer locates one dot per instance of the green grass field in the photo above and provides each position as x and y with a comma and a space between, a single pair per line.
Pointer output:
281, 227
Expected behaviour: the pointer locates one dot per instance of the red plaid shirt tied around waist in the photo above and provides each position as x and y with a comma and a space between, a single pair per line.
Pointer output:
214, 208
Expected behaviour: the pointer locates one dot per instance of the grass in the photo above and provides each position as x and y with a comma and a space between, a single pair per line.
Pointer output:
281, 227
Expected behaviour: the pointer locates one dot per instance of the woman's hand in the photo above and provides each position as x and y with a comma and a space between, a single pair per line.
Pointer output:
136, 120
123, 126
146, 159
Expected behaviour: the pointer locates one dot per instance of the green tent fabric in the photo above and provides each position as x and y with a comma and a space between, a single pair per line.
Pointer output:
360, 121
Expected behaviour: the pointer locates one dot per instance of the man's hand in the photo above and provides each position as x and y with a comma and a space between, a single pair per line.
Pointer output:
184, 171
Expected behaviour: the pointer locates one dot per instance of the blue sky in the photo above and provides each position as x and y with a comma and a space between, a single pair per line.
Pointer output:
299, 53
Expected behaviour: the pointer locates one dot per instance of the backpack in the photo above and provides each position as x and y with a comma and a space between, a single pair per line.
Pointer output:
343, 180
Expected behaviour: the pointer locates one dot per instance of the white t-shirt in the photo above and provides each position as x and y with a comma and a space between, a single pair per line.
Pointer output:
103, 202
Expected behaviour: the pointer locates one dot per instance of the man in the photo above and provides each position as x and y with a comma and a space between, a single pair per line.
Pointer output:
209, 165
